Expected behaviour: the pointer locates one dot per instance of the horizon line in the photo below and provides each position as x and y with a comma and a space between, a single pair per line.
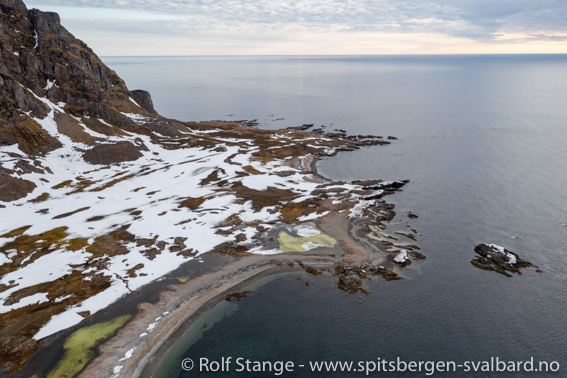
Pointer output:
321, 55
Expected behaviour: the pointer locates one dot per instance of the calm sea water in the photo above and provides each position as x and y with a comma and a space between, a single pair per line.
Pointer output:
483, 140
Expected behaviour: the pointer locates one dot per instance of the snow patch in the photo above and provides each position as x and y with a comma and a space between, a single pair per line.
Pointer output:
357, 210
257, 182
4, 259
49, 84
128, 354
116, 371
312, 216
402, 256
306, 230
56, 324
135, 103
138, 118
32, 299
311, 245
499, 249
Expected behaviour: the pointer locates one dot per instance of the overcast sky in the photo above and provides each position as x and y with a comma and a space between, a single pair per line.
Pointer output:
240, 27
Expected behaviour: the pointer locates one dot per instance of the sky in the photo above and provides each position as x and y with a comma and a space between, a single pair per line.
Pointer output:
314, 27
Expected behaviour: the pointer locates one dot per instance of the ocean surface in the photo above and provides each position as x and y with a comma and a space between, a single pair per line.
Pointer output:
483, 140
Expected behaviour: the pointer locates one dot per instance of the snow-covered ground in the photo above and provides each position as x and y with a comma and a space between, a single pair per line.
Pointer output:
147, 198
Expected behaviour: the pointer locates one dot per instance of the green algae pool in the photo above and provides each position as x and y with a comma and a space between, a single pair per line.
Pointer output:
79, 347
289, 243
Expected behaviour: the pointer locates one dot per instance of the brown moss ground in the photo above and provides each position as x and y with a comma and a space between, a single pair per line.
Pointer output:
65, 215
41, 198
262, 198
18, 327
13, 188
32, 247
118, 152
69, 126
16, 232
192, 203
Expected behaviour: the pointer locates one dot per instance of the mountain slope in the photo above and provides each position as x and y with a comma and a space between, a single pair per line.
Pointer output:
47, 74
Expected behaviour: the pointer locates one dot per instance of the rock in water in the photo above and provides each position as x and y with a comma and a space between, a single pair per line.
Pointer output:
497, 258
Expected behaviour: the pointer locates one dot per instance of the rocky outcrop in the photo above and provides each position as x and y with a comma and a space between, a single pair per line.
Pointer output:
57, 93
41, 62
144, 99
15, 4
499, 259
350, 277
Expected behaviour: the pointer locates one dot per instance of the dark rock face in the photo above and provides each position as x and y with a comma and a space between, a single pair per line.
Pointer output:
498, 259
46, 72
144, 99
39, 58
15, 4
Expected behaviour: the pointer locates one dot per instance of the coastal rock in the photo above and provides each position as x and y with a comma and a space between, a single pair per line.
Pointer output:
350, 277
416, 255
237, 295
497, 258
402, 258
350, 284
144, 99
382, 188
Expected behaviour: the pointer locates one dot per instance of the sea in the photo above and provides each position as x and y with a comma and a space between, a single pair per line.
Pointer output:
483, 141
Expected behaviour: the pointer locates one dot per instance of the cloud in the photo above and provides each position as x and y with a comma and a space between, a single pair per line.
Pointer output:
475, 21
491, 17
346, 15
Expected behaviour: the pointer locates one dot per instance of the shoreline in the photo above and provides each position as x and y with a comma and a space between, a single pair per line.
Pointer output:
126, 354
185, 302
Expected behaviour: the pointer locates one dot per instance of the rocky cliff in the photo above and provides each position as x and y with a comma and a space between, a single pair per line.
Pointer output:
48, 74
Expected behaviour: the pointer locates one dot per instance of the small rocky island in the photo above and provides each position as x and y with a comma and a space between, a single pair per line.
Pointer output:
497, 258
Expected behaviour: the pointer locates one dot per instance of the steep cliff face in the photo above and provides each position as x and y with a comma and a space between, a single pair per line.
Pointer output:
40, 59
55, 89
